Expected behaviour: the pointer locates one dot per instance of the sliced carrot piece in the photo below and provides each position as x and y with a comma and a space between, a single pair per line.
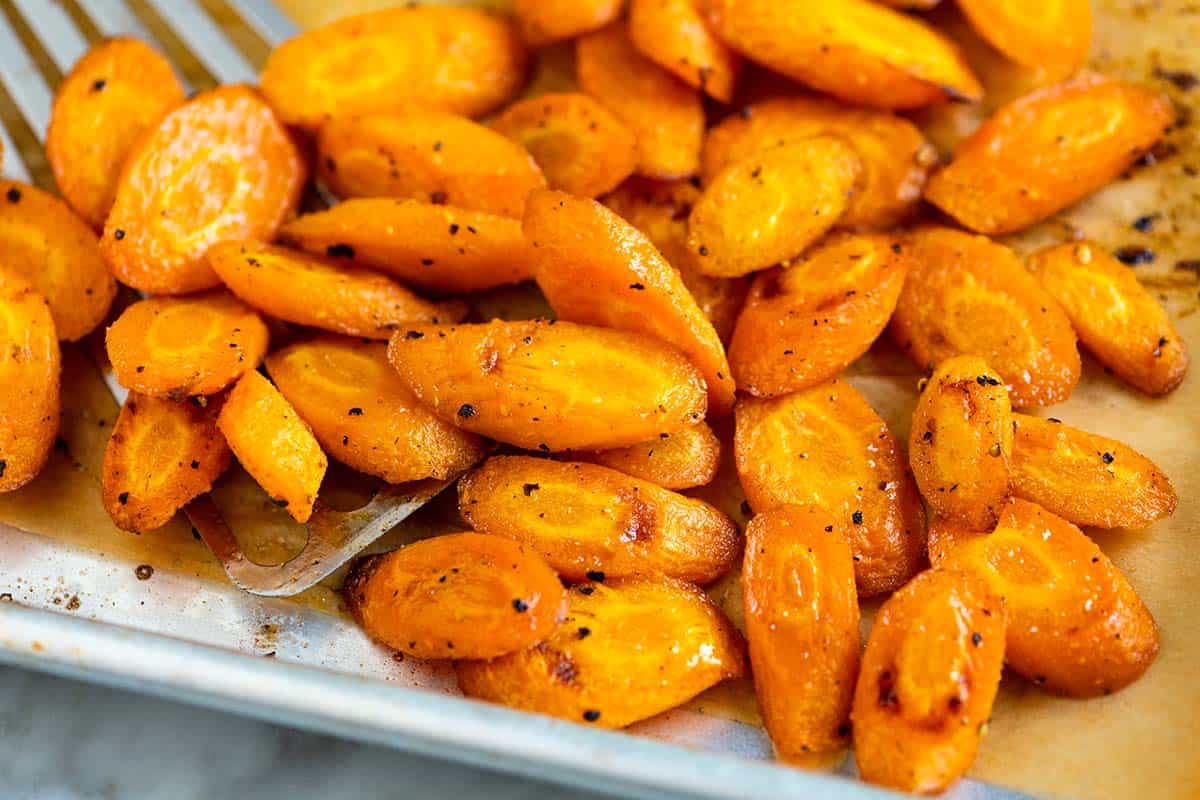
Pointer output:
308, 290
546, 21
1048, 150
597, 269
629, 649
460, 595
550, 386
580, 145
894, 153
30, 374
1115, 316
273, 444
961, 441
804, 324
429, 156
180, 346
1085, 478
682, 460
365, 416
855, 50
770, 206
219, 167
1055, 35
162, 454
675, 35
966, 294
441, 248
46, 244
381, 62
589, 520
665, 114
802, 628
1075, 625
826, 446
119, 90
929, 678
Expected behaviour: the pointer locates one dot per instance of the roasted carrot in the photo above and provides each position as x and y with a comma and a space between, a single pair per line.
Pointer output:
676, 35
681, 460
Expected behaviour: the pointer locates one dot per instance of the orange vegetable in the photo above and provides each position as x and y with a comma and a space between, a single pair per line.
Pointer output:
1048, 150
628, 650
805, 323
30, 374
961, 442
665, 114
219, 167
273, 444
460, 595
550, 386
1054, 35
929, 677
432, 156
119, 90
46, 244
1075, 625
597, 269
770, 206
966, 294
363, 415
588, 520
802, 628
461, 60
894, 154
1116, 317
855, 50
162, 454
675, 35
580, 146
546, 21
681, 460
308, 290
441, 248
180, 346
826, 446
1085, 478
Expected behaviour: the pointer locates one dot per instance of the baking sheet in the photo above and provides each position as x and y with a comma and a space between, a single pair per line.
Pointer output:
1141, 740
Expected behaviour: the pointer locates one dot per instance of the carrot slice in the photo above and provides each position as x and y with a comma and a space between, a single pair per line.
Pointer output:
1075, 625
894, 153
1053, 35
804, 324
46, 244
1086, 478
119, 90
273, 444
681, 460
365, 416
770, 206
380, 62
1048, 150
581, 147
802, 628
961, 441
546, 21
441, 248
309, 290
1116, 317
587, 520
675, 35
665, 114
929, 678
219, 167
550, 386
966, 294
460, 595
428, 156
162, 454
826, 446
629, 649
30, 374
855, 50
597, 269
180, 346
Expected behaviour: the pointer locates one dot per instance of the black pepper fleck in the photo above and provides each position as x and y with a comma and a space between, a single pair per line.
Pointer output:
1134, 256
530, 488
123, 498
591, 715
520, 606
355, 412
977, 638
339, 251
1108, 458
595, 575
857, 517
13, 195
466, 411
